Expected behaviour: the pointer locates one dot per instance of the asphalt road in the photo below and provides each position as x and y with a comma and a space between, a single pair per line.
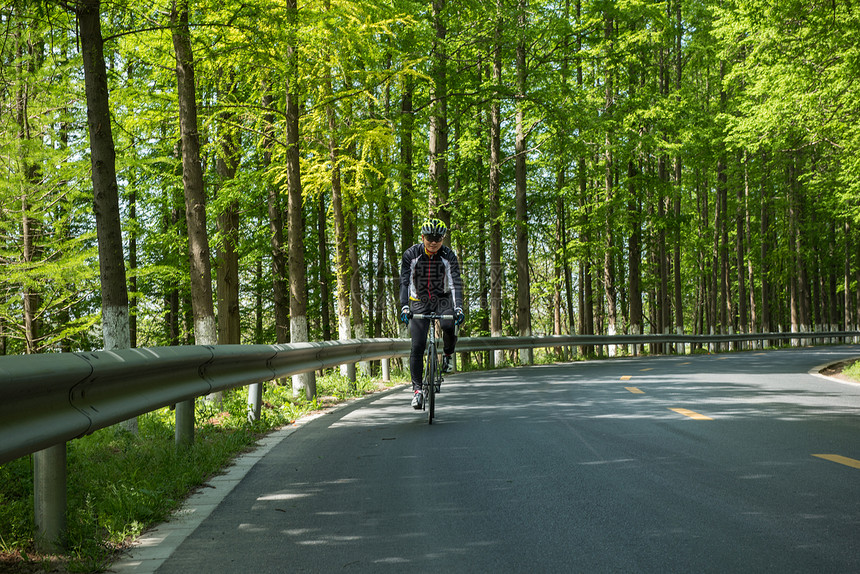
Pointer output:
581, 467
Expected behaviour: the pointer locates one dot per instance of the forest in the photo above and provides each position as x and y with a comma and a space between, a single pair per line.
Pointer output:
216, 172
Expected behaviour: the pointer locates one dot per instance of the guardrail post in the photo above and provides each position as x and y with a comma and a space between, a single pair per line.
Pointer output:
348, 370
386, 370
611, 350
255, 401
185, 424
304, 384
525, 356
49, 498
311, 384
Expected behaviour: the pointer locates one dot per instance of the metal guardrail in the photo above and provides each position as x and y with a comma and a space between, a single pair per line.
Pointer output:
49, 399
546, 341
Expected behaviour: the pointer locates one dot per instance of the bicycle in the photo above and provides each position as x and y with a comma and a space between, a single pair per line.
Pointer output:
431, 383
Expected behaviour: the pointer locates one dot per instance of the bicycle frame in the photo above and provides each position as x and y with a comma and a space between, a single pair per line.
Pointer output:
432, 380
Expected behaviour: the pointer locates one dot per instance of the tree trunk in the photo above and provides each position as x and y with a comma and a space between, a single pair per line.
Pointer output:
795, 291
832, 298
723, 224
586, 309
383, 273
568, 272
132, 265
764, 231
227, 273
438, 140
342, 267
678, 286
205, 332
705, 263
740, 253
714, 270
587, 279
355, 294
495, 195
407, 193
679, 67
114, 292
32, 299
723, 233
341, 241
259, 338
753, 309
280, 297
608, 263
192, 181
634, 254
563, 201
662, 312
847, 324
298, 278
524, 316
393, 261
560, 255
116, 330
227, 256
857, 278
803, 282
324, 265
483, 276
376, 300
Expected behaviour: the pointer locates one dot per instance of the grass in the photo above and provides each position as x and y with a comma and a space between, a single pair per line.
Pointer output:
853, 371
120, 484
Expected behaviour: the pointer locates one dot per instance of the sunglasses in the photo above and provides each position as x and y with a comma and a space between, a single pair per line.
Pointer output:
434, 237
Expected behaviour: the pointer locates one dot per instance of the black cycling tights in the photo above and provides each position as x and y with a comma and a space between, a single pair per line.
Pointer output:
419, 328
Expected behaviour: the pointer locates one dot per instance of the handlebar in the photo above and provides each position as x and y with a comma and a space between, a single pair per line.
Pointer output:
430, 316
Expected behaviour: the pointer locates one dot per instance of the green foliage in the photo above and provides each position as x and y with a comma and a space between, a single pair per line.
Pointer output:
853, 371
615, 96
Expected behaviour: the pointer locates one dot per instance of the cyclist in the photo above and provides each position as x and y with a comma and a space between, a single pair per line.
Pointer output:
430, 282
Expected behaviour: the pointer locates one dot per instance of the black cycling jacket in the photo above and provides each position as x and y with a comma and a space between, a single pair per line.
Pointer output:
426, 277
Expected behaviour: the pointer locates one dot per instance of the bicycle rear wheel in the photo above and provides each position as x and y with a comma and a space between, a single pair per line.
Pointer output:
430, 387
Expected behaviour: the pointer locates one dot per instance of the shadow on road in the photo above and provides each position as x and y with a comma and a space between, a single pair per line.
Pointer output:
559, 468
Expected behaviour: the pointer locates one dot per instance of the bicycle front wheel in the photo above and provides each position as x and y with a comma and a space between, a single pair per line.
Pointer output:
430, 387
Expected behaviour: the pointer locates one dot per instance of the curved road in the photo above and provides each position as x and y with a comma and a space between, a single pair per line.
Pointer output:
738, 462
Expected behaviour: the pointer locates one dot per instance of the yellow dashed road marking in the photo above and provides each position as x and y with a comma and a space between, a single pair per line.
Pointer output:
840, 459
692, 414
648, 369
635, 391
626, 378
